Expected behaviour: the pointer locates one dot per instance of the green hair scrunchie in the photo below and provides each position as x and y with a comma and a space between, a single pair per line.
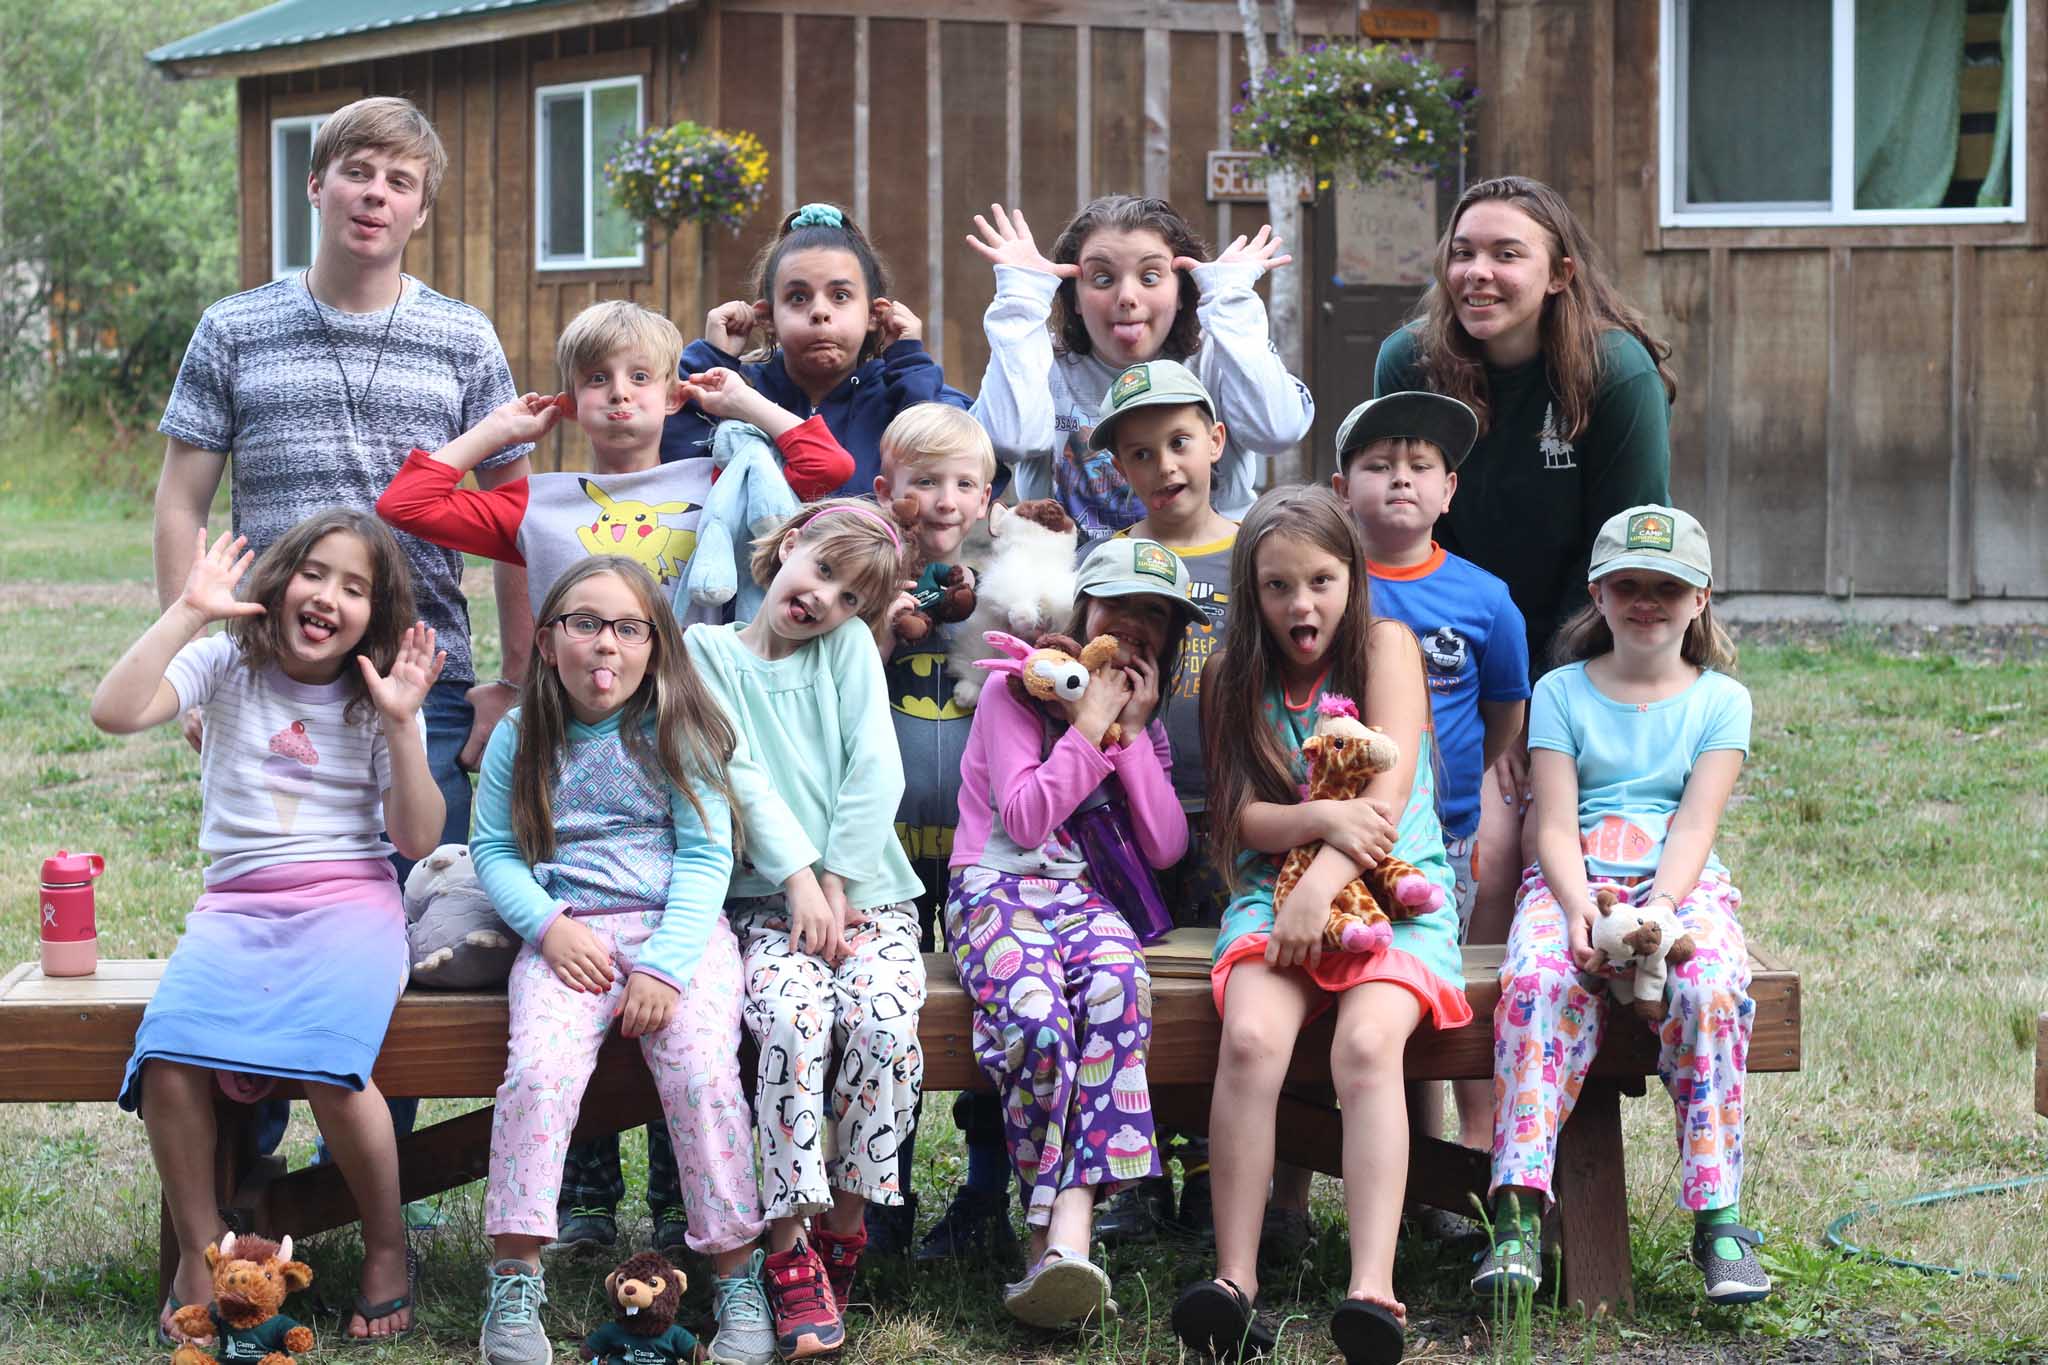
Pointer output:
817, 215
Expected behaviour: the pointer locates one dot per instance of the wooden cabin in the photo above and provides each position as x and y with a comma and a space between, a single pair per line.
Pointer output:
1855, 284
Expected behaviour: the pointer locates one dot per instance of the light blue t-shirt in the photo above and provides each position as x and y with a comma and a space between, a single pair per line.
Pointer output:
1634, 759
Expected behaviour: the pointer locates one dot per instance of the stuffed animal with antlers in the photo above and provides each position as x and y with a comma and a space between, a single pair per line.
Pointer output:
1344, 755
1055, 670
251, 1276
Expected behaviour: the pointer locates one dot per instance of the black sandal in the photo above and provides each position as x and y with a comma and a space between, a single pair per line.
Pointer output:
1368, 1333
1214, 1317
370, 1312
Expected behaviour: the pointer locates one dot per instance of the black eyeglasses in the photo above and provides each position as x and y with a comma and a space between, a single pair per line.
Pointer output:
581, 625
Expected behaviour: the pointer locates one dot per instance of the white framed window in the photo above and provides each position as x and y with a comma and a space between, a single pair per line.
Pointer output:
1842, 112
576, 126
294, 225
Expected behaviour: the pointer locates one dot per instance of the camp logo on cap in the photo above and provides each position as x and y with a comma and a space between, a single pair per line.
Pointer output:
1129, 384
1150, 558
1649, 531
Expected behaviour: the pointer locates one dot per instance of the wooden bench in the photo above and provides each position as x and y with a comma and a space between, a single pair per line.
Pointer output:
69, 1039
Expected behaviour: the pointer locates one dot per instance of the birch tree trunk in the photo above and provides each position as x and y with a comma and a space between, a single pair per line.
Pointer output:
1283, 211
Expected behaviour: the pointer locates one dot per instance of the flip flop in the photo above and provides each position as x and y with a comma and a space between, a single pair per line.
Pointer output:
164, 1338
1368, 1333
370, 1312
1215, 1317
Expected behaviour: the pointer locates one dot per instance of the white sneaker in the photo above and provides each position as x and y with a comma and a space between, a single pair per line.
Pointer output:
512, 1333
1065, 1288
746, 1327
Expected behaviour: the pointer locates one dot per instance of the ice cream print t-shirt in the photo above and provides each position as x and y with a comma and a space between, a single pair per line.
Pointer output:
286, 775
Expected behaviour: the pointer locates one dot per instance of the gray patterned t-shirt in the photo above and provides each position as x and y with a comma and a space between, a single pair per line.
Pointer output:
260, 384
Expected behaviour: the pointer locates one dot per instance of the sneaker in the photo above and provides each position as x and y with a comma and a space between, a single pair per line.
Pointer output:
976, 1225
1137, 1213
806, 1320
1197, 1216
1064, 1289
1741, 1280
1512, 1265
841, 1254
892, 1228
512, 1333
588, 1228
671, 1230
746, 1329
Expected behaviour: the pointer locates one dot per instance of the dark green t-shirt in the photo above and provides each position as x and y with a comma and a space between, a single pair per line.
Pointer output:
250, 1343
1529, 501
612, 1344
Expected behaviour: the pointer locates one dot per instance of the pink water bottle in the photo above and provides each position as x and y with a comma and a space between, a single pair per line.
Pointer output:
71, 945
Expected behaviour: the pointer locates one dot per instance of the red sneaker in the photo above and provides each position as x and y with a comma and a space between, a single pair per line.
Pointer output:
841, 1253
806, 1319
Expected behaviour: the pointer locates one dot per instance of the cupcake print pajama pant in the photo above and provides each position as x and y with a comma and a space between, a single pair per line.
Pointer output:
1551, 1018
803, 1014
556, 1032
1063, 1016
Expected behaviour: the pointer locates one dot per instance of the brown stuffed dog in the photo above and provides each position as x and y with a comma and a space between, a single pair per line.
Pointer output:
645, 1291
1650, 938
943, 593
251, 1276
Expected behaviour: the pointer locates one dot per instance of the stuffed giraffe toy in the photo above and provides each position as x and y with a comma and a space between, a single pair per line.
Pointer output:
1343, 756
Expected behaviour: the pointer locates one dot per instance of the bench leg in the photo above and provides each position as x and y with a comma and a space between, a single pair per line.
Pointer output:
1592, 1202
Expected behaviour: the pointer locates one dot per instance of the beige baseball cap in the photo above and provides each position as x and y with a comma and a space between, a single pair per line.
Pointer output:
1660, 539
1152, 383
1128, 566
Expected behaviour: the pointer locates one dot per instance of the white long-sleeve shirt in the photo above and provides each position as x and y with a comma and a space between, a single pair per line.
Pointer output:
1039, 408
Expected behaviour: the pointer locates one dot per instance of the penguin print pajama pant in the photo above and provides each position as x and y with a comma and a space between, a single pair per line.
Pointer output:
1551, 1017
1063, 1018
556, 1032
805, 1015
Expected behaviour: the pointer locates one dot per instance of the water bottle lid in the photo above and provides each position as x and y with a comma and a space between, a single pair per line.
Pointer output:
72, 869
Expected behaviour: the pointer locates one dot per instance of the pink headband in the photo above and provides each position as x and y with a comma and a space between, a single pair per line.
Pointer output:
870, 513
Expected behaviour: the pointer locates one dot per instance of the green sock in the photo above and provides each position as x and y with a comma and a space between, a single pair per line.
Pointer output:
1518, 1217
1727, 1248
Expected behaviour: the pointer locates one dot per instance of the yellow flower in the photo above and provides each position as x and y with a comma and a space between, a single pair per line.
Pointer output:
1314, 139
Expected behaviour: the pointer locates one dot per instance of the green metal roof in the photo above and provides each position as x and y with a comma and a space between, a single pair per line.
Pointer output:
289, 23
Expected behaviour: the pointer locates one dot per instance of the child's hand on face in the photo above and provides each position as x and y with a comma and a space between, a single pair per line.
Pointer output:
1297, 937
723, 393
526, 418
399, 694
579, 960
210, 586
1143, 675
1008, 242
1358, 828
649, 1006
1109, 691
893, 323
730, 326
1263, 251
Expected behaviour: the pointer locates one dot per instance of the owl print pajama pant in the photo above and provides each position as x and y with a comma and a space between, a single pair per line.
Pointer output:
1551, 1017
1063, 1017
803, 1014
556, 1032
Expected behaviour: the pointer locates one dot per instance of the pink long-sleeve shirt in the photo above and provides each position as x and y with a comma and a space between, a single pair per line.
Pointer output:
1016, 795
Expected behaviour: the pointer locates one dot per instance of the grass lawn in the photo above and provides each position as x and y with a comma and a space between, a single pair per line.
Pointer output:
1890, 833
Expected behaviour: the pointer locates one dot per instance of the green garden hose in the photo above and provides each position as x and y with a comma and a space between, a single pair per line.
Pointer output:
1834, 1237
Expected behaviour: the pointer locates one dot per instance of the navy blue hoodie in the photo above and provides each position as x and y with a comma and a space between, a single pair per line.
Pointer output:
856, 412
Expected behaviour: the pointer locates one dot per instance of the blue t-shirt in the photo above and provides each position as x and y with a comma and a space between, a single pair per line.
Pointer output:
1474, 649
1634, 759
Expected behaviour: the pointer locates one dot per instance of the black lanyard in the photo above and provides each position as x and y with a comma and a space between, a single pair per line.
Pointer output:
348, 390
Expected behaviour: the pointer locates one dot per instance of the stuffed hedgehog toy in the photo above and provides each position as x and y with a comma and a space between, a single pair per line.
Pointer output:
1649, 938
1343, 756
1056, 670
645, 1291
251, 1276
454, 938
1027, 586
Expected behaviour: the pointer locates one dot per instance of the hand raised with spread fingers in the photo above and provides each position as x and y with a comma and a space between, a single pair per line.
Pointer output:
399, 694
1263, 250
1007, 241
210, 585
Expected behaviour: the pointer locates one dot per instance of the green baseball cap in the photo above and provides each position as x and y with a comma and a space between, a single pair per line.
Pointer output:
1127, 566
1413, 415
1154, 383
1660, 539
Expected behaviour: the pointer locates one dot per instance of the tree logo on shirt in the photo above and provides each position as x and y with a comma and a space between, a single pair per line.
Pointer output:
1557, 451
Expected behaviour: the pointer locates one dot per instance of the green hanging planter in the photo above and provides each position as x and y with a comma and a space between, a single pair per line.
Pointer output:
689, 174
1361, 110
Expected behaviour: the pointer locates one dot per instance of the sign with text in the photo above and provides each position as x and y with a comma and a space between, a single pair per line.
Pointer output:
1411, 25
1233, 181
1386, 231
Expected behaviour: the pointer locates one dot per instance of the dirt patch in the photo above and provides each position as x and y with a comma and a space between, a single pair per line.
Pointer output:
47, 596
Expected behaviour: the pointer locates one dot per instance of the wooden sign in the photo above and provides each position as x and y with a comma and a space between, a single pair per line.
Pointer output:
1411, 25
1233, 181
1386, 232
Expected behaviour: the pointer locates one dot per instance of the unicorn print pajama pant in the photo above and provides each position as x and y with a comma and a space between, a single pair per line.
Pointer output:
1063, 1017
1551, 1018
556, 1032
804, 1014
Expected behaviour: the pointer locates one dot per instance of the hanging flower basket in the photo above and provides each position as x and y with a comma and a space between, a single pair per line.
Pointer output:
688, 174
1361, 110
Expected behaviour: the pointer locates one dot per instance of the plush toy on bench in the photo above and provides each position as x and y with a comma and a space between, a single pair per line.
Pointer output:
1056, 670
455, 940
1344, 755
251, 1276
1647, 937
1026, 584
646, 1292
